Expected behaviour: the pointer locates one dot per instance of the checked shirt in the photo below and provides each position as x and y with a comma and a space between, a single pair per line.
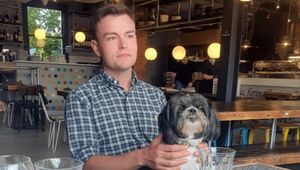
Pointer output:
102, 119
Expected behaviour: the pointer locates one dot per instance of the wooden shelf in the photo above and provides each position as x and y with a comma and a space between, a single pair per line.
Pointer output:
11, 42
13, 24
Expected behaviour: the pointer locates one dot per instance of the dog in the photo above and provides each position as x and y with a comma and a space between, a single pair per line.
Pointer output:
188, 118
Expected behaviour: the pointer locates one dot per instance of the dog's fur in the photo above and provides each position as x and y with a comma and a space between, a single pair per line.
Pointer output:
188, 118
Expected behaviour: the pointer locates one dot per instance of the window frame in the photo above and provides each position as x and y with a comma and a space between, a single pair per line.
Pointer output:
51, 5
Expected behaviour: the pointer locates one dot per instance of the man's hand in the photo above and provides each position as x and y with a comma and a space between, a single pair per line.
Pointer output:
162, 156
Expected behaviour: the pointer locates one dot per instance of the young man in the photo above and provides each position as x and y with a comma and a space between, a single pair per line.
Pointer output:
112, 119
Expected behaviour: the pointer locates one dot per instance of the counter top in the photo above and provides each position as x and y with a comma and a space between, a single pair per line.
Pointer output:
56, 63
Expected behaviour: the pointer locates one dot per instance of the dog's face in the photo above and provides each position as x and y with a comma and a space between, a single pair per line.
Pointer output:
188, 116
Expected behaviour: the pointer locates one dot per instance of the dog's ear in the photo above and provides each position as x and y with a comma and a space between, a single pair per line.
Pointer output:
214, 127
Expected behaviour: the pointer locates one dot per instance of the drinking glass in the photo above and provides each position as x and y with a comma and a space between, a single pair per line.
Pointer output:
58, 163
15, 162
216, 158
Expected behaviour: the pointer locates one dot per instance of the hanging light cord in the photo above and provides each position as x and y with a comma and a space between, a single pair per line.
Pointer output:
289, 18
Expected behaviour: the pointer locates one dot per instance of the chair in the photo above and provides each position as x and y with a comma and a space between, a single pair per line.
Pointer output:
55, 119
170, 79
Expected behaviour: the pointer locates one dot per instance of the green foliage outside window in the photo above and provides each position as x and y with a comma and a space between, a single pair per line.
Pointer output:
50, 21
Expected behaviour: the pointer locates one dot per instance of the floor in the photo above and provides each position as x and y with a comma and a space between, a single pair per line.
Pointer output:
32, 143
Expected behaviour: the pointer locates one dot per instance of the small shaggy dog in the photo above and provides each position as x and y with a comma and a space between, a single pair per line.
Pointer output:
188, 118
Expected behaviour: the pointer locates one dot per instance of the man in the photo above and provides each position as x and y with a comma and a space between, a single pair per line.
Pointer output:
184, 70
112, 119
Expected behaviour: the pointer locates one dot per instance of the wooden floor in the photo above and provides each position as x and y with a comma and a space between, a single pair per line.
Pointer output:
282, 153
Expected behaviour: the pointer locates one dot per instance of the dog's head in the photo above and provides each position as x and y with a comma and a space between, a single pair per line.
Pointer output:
188, 116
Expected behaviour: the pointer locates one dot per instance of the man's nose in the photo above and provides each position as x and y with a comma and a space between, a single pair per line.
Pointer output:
122, 43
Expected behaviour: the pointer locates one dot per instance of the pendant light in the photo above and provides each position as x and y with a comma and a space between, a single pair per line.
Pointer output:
40, 34
214, 50
80, 36
246, 28
178, 51
150, 53
286, 41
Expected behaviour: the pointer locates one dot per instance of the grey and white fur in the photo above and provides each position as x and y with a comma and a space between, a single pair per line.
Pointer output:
188, 118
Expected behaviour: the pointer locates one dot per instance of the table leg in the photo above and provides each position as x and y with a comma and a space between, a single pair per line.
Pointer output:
228, 134
273, 133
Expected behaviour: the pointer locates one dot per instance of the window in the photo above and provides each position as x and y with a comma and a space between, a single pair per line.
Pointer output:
51, 21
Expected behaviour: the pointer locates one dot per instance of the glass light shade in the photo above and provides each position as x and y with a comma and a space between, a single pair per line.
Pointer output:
213, 50
80, 36
178, 52
40, 34
150, 53
40, 43
245, 0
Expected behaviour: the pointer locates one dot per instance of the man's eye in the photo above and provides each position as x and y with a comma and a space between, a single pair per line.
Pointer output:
130, 36
111, 38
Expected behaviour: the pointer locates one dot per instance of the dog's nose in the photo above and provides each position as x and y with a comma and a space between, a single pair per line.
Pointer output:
192, 110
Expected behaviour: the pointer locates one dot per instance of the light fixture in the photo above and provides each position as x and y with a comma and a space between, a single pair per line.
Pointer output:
245, 0
286, 40
247, 27
40, 34
151, 54
40, 43
178, 52
80, 36
45, 2
214, 50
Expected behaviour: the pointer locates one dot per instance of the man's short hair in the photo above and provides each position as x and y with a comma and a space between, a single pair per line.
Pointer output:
110, 9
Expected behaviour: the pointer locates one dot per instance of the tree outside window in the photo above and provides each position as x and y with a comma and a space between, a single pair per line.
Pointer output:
51, 21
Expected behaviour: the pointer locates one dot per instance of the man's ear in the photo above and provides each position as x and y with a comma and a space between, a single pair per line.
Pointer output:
95, 47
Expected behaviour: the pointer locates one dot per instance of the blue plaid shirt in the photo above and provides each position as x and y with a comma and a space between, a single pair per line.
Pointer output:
102, 119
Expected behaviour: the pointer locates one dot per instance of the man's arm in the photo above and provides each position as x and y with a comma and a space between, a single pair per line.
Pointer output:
155, 156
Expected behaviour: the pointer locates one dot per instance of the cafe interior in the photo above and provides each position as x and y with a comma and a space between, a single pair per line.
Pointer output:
243, 55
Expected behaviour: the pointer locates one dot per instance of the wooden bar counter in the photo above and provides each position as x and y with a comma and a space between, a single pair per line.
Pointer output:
275, 153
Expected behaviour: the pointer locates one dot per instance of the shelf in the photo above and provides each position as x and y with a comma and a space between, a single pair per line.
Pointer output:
11, 42
180, 25
279, 72
13, 24
9, 6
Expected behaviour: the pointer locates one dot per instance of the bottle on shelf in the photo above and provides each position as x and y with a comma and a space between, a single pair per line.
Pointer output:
6, 17
16, 18
16, 36
1, 35
1, 18
20, 37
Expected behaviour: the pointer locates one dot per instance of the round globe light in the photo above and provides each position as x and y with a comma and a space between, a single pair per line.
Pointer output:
213, 50
150, 54
178, 52
80, 36
40, 34
40, 43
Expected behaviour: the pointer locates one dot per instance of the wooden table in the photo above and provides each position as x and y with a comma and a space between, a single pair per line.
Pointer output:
257, 109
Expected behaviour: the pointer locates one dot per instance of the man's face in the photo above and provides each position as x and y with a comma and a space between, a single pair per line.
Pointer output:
117, 43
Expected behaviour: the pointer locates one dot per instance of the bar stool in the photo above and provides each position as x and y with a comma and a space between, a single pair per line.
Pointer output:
11, 90
266, 128
286, 127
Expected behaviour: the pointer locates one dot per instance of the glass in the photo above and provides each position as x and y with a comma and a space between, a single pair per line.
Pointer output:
216, 158
58, 163
15, 162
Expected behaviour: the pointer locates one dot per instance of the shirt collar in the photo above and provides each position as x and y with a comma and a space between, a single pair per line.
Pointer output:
112, 81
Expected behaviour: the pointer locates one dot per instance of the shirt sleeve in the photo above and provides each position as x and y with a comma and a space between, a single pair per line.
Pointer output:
81, 131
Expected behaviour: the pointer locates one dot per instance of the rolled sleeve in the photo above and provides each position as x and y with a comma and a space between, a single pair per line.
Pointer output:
82, 136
